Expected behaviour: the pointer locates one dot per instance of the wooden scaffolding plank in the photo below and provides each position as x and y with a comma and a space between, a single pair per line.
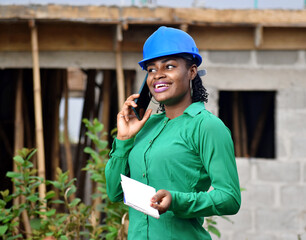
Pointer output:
66, 132
19, 144
38, 109
119, 68
159, 15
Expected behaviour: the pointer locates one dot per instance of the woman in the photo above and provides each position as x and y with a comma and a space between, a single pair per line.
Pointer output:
181, 152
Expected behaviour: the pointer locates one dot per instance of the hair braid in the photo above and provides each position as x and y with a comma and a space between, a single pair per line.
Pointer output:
199, 92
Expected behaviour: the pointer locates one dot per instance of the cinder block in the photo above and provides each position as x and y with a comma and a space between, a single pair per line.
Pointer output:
240, 222
212, 105
302, 236
254, 236
244, 171
279, 220
288, 236
224, 236
293, 98
293, 196
276, 171
250, 78
258, 195
282, 145
229, 57
298, 146
277, 57
304, 174
291, 121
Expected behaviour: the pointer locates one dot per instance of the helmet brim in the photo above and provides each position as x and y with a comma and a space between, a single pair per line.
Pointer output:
197, 57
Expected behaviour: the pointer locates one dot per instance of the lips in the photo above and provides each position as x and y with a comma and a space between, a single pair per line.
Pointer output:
161, 86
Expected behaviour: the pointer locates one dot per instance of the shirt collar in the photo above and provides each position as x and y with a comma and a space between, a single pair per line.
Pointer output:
195, 108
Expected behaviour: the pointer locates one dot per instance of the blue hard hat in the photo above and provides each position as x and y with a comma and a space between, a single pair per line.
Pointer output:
168, 41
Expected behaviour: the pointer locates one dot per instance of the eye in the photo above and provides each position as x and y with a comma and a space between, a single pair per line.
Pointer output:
170, 66
150, 70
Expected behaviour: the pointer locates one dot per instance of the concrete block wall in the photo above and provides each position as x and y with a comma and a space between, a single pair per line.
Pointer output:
274, 203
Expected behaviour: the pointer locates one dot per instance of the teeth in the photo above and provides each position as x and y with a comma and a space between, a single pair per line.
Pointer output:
161, 85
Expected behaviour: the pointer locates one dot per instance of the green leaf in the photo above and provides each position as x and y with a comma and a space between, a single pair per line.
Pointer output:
31, 154
86, 121
227, 219
13, 174
15, 237
32, 198
35, 223
74, 202
92, 136
5, 193
57, 201
48, 213
98, 127
214, 230
54, 183
18, 159
50, 194
95, 195
102, 144
3, 229
63, 238
71, 190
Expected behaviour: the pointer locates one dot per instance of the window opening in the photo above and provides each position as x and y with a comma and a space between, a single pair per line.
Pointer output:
250, 117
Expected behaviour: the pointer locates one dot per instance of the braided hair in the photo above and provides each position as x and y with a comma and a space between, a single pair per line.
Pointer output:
199, 92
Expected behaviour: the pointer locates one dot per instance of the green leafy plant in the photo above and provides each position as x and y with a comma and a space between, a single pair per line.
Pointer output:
96, 167
59, 215
44, 220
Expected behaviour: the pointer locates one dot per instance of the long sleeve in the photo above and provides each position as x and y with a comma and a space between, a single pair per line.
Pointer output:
117, 164
216, 151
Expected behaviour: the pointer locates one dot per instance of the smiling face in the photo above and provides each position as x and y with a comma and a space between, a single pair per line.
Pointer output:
169, 80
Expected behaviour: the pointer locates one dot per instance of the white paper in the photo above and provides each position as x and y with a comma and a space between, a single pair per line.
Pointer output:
138, 196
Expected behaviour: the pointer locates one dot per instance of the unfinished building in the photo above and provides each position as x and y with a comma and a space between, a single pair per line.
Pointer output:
256, 78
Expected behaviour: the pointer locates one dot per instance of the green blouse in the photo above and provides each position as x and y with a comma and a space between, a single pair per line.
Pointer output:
186, 156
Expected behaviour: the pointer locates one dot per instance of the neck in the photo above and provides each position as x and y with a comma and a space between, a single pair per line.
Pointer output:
173, 111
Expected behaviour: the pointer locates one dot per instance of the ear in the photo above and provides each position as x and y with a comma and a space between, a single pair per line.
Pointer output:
193, 71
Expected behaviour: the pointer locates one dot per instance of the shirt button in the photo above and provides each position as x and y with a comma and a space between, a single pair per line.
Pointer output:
150, 141
143, 174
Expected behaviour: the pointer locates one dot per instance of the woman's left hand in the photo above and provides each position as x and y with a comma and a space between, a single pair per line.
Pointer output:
161, 201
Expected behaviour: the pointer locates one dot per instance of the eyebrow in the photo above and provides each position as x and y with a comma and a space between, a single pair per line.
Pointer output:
163, 61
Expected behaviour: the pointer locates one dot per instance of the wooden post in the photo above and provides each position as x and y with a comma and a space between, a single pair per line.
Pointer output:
119, 68
38, 109
244, 133
19, 143
129, 82
258, 36
236, 124
19, 128
66, 132
106, 99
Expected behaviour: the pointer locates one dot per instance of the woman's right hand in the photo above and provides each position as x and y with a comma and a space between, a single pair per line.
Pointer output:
127, 123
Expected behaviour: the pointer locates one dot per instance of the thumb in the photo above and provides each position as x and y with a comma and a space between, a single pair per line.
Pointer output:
158, 196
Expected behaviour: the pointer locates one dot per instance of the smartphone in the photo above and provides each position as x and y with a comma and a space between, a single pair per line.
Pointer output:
143, 100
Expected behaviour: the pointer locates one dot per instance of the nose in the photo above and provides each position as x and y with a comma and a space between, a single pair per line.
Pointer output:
159, 73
